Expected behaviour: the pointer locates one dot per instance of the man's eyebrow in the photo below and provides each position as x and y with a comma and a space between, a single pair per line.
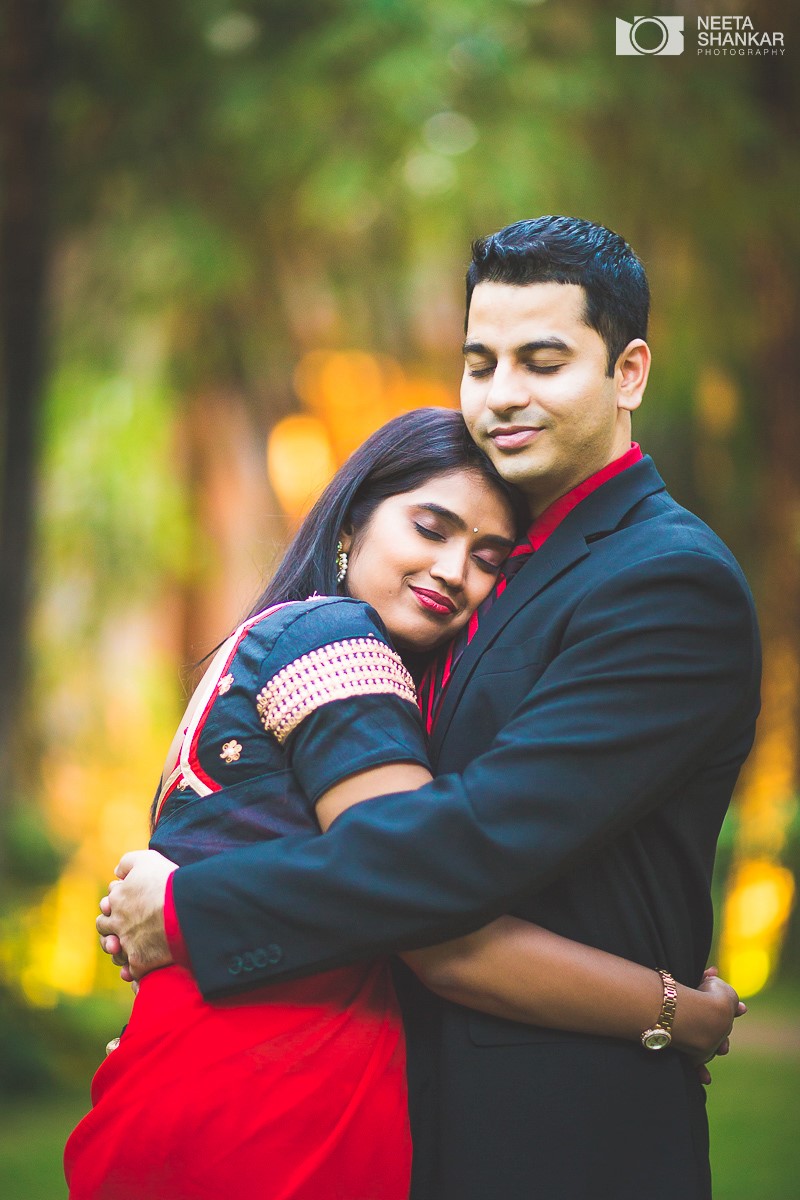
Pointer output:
551, 343
459, 523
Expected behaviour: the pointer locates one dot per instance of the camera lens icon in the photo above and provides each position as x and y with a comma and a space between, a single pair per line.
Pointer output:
650, 35
659, 29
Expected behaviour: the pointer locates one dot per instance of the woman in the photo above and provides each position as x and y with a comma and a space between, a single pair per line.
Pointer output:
297, 1092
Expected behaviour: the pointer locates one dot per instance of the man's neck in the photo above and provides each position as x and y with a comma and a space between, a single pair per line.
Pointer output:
539, 506
539, 502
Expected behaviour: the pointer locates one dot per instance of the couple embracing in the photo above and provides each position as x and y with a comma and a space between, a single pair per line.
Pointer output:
542, 673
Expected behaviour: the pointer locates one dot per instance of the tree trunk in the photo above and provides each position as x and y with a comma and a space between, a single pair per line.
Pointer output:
27, 71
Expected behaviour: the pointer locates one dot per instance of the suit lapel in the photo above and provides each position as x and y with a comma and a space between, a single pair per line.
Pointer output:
600, 513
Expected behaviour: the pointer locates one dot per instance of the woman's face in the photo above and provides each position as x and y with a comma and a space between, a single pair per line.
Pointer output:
427, 558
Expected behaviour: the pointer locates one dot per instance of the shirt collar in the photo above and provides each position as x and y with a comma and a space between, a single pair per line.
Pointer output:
548, 521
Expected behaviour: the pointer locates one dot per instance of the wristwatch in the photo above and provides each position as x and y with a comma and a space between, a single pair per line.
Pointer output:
660, 1035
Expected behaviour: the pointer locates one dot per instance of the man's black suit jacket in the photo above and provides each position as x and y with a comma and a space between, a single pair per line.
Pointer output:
586, 751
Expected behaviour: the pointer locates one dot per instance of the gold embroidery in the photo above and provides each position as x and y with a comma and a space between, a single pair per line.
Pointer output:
225, 684
183, 785
354, 667
231, 751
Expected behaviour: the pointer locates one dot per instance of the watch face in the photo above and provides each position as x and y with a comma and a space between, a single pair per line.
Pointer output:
656, 1039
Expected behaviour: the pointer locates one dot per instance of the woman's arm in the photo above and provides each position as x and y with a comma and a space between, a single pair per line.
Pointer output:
520, 971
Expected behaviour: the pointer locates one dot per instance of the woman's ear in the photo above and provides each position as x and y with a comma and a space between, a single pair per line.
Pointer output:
346, 537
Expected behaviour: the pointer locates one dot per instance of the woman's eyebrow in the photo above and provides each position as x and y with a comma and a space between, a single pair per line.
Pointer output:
439, 511
459, 523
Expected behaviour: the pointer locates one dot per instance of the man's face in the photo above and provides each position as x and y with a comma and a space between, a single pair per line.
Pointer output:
535, 394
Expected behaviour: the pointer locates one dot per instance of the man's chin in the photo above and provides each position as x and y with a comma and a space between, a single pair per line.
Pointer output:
525, 468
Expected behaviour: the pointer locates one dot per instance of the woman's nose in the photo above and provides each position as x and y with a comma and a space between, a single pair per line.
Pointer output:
450, 567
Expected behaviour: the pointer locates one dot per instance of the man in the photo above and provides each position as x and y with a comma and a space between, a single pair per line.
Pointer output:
587, 738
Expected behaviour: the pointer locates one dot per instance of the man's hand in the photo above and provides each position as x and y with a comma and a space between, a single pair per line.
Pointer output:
131, 925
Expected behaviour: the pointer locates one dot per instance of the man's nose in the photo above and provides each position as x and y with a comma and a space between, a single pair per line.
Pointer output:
508, 390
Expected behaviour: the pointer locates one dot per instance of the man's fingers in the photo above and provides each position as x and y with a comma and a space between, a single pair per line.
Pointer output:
105, 906
127, 863
126, 975
105, 925
111, 944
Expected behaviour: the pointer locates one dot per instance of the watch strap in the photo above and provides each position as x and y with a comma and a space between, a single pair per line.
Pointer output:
659, 1036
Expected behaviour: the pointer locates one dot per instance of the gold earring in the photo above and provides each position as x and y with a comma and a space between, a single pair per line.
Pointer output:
341, 562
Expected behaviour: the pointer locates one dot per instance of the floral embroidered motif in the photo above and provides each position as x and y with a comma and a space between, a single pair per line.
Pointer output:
225, 684
231, 751
355, 667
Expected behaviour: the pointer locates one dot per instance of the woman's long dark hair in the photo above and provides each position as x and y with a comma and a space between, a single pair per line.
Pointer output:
397, 458
400, 456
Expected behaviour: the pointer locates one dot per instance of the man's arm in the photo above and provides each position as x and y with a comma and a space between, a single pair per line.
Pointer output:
659, 666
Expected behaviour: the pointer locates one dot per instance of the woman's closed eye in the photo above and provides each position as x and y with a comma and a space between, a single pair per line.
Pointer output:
488, 560
433, 535
492, 564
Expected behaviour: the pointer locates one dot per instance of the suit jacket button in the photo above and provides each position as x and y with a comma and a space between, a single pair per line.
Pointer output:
260, 958
235, 964
274, 953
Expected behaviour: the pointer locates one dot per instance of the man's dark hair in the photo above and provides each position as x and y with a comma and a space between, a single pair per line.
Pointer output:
569, 250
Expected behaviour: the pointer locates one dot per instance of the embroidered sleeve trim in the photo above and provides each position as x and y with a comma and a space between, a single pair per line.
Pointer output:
354, 667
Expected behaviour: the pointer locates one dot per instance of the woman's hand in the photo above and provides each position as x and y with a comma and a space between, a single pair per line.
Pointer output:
713, 1039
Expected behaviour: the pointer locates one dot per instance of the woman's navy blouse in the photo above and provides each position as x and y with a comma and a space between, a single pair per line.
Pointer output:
298, 698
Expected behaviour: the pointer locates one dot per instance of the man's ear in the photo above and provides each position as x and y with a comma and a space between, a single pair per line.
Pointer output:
630, 374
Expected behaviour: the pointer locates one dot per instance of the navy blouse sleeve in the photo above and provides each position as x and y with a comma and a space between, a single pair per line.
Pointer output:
337, 697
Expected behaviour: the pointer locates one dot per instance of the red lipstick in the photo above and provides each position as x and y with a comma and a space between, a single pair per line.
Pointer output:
434, 602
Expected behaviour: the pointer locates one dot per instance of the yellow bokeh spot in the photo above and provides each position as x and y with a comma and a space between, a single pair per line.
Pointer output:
300, 462
354, 392
717, 402
422, 393
37, 991
757, 908
760, 899
350, 391
748, 969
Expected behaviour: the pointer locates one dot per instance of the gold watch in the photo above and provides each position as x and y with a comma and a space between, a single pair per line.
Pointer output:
660, 1035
